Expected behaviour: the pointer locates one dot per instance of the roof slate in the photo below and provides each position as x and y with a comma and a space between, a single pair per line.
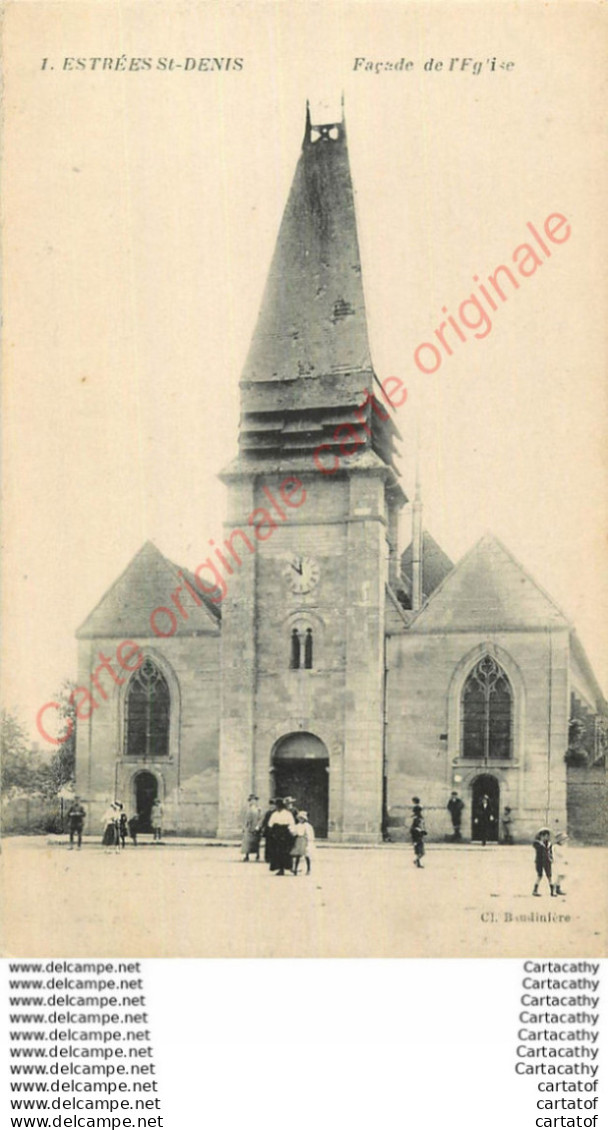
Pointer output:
147, 584
488, 589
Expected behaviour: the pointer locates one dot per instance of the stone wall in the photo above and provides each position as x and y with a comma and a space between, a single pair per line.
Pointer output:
188, 777
587, 804
425, 678
341, 526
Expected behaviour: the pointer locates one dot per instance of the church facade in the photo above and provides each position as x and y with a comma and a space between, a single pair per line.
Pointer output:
306, 656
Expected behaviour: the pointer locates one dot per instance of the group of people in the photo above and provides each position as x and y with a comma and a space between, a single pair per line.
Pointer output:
115, 823
484, 819
550, 858
288, 835
117, 826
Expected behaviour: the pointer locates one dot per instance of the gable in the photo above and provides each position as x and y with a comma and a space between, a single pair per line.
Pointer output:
147, 584
488, 589
435, 564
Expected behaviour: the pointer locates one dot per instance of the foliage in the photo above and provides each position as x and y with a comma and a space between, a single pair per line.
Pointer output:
62, 767
24, 768
19, 762
587, 735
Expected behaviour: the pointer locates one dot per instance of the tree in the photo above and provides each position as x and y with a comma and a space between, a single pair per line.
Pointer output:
18, 770
62, 767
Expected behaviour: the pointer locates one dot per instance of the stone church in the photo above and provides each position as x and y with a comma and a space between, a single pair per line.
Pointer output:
306, 656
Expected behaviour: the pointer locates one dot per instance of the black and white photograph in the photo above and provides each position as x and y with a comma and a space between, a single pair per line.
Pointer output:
305, 501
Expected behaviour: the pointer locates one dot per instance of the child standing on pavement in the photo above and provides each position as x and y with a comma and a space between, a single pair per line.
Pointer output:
418, 832
543, 850
560, 861
304, 843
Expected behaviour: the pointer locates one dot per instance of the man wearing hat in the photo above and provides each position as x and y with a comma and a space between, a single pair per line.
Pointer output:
280, 835
251, 829
264, 827
76, 818
291, 804
455, 807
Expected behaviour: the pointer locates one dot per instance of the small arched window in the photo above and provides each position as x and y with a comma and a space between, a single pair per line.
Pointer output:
294, 662
487, 710
147, 713
301, 649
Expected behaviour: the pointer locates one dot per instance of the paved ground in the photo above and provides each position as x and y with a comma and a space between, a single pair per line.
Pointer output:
184, 900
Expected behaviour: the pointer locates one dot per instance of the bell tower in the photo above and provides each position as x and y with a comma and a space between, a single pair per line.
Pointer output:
312, 520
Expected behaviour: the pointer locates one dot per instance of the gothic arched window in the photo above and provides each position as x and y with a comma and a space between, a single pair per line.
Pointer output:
487, 711
147, 713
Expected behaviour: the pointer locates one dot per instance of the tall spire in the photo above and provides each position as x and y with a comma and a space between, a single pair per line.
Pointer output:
309, 364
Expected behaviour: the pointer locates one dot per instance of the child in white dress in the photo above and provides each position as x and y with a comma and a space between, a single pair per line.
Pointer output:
304, 843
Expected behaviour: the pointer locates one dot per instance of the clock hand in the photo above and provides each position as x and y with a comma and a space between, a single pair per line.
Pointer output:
297, 568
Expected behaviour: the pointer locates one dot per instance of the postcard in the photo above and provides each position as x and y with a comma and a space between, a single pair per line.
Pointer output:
305, 480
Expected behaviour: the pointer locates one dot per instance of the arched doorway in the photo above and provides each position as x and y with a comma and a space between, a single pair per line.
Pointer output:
146, 792
300, 768
485, 817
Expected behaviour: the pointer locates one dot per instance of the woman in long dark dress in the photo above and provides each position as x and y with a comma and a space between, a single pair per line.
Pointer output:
110, 838
280, 835
418, 832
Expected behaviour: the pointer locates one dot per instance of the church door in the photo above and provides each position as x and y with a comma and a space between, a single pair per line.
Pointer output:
485, 815
146, 792
301, 770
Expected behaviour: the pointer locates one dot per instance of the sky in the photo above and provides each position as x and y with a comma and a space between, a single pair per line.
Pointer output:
140, 213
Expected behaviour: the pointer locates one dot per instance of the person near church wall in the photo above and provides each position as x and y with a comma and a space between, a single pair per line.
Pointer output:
110, 838
251, 829
123, 827
292, 805
76, 819
485, 820
543, 860
264, 827
560, 862
455, 808
507, 826
280, 833
133, 824
304, 843
417, 833
156, 819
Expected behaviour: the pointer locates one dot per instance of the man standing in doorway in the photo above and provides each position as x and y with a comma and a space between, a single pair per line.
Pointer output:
485, 820
455, 807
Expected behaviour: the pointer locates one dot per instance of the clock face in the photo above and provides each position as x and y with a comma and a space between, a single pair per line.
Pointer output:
301, 573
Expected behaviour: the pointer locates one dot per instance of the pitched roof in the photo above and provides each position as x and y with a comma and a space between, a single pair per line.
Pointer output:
147, 584
435, 563
488, 589
312, 321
